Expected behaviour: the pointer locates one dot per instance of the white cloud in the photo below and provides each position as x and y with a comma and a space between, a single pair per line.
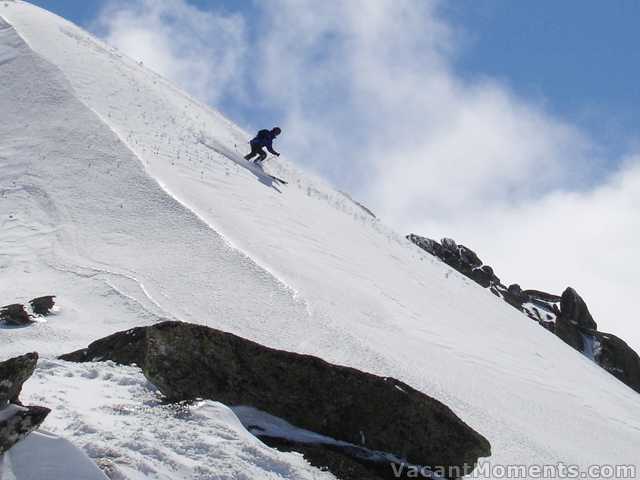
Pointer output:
585, 239
199, 50
369, 96
438, 155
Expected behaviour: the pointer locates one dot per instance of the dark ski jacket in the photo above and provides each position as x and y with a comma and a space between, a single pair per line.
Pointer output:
264, 139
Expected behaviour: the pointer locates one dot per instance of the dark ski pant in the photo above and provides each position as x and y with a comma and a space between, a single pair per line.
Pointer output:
256, 150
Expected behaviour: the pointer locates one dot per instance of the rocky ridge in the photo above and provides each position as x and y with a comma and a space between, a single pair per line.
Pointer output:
566, 315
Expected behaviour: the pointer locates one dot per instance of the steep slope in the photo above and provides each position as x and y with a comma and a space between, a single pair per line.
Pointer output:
77, 199
111, 201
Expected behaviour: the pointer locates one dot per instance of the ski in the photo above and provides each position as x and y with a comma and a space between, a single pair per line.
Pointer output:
256, 168
277, 179
273, 177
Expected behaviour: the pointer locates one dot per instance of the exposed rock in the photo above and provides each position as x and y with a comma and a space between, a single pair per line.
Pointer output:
468, 257
566, 316
549, 325
484, 276
619, 359
569, 333
17, 422
542, 296
459, 257
575, 326
188, 361
427, 244
324, 458
575, 310
13, 373
42, 305
127, 348
515, 297
15, 314
335, 460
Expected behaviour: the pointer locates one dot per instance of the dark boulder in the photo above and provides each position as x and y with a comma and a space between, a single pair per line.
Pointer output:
551, 326
574, 309
427, 244
515, 297
17, 422
575, 326
326, 458
451, 256
574, 320
13, 373
542, 296
515, 290
468, 257
127, 347
15, 314
42, 305
619, 359
449, 245
187, 361
345, 464
569, 333
460, 258
484, 276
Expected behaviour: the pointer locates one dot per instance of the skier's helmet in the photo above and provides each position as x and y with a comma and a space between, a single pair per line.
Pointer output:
276, 130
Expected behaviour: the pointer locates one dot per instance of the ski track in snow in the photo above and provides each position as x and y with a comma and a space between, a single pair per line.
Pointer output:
108, 200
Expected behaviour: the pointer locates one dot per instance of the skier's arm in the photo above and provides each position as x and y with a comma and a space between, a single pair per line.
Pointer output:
272, 151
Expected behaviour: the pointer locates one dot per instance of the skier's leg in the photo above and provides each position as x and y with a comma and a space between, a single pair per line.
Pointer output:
254, 151
261, 156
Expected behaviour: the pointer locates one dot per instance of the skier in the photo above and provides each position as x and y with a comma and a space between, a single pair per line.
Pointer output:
264, 139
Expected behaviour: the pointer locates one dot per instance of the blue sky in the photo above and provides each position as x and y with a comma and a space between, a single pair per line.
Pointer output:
579, 58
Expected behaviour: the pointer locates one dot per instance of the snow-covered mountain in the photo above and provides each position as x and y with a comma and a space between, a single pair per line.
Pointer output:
129, 200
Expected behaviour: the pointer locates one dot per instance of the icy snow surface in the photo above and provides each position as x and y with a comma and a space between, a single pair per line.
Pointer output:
110, 200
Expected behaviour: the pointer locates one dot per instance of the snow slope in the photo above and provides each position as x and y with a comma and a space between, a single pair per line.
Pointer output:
110, 200
116, 416
42, 455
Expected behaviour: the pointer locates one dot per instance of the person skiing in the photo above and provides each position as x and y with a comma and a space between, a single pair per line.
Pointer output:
264, 139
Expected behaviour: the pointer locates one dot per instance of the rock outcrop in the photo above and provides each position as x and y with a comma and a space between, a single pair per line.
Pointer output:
42, 305
370, 413
567, 316
17, 314
574, 309
13, 373
16, 420
460, 258
618, 358
576, 326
